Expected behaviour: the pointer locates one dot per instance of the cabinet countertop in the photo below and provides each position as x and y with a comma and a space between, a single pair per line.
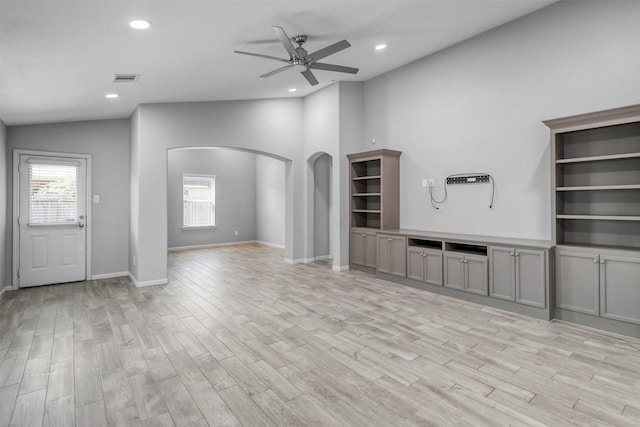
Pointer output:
470, 238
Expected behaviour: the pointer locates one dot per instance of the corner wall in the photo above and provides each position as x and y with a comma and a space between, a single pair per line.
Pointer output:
479, 106
107, 141
5, 223
270, 201
235, 191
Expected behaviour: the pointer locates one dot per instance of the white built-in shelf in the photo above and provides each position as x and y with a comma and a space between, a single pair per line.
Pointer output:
599, 158
359, 178
365, 194
600, 187
601, 217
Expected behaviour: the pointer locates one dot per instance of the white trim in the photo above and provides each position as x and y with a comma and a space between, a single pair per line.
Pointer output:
273, 245
148, 282
299, 261
340, 268
210, 245
109, 275
323, 257
16, 207
8, 288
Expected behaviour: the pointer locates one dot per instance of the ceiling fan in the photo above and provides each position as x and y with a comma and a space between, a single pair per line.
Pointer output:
300, 60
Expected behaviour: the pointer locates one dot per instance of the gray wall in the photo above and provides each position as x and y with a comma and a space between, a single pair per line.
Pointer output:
270, 200
235, 173
5, 223
322, 206
107, 141
478, 107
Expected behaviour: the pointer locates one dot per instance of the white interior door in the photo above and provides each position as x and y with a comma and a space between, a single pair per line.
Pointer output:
51, 221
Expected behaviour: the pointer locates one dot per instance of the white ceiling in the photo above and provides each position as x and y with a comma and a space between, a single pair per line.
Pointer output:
58, 57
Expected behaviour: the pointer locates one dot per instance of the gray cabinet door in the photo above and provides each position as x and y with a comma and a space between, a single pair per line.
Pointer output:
433, 267
384, 254
370, 259
620, 288
476, 274
415, 264
530, 277
357, 248
577, 281
502, 283
454, 271
398, 247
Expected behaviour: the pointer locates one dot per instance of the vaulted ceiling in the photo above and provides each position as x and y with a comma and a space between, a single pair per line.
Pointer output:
58, 57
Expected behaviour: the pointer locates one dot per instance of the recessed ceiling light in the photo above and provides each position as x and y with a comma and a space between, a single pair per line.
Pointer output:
111, 95
381, 46
293, 89
140, 24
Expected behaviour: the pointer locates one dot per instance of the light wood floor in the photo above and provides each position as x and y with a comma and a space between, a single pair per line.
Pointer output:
240, 338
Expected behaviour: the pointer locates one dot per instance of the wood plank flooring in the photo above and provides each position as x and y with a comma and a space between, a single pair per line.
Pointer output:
238, 338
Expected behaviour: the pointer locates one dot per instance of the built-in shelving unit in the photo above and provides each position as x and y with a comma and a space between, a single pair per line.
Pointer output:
375, 203
596, 218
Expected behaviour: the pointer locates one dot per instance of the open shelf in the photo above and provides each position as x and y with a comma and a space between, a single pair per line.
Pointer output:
360, 178
599, 158
424, 243
466, 248
601, 217
600, 187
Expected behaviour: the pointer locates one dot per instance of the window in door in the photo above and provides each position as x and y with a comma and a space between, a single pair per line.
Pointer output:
53, 194
198, 200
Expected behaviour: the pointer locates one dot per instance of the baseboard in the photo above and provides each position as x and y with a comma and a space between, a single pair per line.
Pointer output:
210, 245
138, 284
299, 260
109, 275
323, 257
7, 288
340, 268
273, 245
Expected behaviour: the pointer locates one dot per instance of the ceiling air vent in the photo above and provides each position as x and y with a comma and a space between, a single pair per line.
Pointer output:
125, 78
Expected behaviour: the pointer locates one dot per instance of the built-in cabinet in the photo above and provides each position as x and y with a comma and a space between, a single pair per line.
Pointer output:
375, 204
392, 255
362, 248
424, 261
518, 274
605, 283
465, 268
595, 168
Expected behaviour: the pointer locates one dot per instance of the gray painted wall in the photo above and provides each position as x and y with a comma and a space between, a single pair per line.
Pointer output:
270, 200
322, 206
273, 126
478, 107
235, 173
107, 141
5, 222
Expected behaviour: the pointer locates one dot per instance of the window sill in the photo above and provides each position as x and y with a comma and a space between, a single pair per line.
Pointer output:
198, 227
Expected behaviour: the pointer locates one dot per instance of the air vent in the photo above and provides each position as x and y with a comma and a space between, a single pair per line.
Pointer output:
125, 78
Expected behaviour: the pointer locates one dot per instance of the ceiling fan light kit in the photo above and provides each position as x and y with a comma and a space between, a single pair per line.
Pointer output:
301, 61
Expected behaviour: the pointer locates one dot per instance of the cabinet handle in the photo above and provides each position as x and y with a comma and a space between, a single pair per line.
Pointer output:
595, 261
517, 254
512, 254
462, 260
389, 240
601, 261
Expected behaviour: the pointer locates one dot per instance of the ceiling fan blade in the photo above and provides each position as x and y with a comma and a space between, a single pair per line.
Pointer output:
310, 77
261, 56
331, 67
279, 70
286, 41
329, 50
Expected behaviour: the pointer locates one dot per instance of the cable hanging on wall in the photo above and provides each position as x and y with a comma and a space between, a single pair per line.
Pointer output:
463, 178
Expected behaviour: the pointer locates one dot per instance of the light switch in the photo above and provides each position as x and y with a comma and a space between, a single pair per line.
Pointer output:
96, 198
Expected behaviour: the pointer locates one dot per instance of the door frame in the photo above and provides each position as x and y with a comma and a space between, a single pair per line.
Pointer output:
16, 208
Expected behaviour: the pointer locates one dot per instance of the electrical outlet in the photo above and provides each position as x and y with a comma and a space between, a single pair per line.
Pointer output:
134, 260
236, 232
432, 183
424, 183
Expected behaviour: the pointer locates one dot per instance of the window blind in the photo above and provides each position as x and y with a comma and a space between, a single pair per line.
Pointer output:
53, 194
198, 195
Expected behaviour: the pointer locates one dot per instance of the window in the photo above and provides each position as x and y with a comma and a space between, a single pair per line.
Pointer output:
199, 201
53, 194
